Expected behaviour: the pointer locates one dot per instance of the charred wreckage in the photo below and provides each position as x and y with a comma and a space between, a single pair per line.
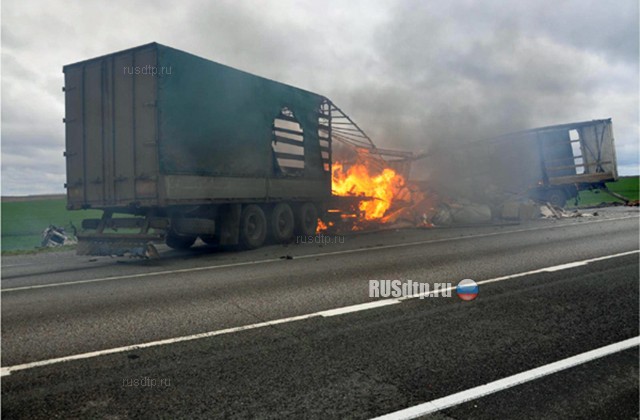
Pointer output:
207, 151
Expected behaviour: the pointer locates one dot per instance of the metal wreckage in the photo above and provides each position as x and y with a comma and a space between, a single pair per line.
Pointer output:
173, 147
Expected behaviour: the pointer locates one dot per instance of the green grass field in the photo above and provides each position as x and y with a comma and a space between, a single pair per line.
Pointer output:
24, 221
627, 186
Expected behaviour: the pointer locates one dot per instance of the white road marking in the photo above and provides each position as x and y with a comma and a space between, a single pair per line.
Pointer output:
508, 382
565, 266
560, 267
528, 273
300, 257
133, 276
7, 370
360, 307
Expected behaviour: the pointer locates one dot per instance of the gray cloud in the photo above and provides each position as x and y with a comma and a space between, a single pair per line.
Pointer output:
459, 71
412, 73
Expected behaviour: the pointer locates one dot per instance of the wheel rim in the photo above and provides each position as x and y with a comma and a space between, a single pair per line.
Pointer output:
308, 218
284, 222
253, 227
556, 199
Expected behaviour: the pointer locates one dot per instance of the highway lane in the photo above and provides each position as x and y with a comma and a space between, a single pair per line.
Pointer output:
102, 315
65, 266
66, 320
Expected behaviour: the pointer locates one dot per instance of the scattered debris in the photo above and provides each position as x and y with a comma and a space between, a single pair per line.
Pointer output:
471, 213
549, 211
151, 252
54, 236
519, 209
461, 213
621, 197
510, 210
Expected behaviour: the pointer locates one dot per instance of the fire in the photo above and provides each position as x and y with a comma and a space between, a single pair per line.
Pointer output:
358, 181
321, 226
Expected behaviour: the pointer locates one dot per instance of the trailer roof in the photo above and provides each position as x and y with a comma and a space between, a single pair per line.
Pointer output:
566, 126
156, 45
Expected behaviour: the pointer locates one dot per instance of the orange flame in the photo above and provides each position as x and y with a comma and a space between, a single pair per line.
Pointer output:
358, 181
322, 226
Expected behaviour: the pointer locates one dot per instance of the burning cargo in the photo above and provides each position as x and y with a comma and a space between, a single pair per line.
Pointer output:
485, 180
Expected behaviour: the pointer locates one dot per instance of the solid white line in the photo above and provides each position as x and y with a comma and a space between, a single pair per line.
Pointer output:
525, 273
360, 307
329, 313
565, 266
509, 382
9, 369
326, 313
560, 267
133, 276
300, 257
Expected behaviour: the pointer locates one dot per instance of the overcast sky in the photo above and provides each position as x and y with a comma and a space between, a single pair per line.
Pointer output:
411, 73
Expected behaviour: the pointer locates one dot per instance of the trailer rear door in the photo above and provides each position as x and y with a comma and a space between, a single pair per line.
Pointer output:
111, 130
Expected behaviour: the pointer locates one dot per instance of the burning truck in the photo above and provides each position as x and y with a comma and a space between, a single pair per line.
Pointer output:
173, 147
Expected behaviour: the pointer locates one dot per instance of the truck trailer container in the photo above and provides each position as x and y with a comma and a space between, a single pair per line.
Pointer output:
174, 147
548, 164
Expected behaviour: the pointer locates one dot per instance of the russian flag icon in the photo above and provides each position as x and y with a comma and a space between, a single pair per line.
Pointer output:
467, 289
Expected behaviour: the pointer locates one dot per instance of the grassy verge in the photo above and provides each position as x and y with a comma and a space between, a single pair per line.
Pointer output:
626, 186
24, 221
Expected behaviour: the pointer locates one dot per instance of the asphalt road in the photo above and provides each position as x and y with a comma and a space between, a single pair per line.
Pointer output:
295, 357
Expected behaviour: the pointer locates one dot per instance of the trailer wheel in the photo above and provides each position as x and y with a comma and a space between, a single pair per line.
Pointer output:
281, 223
253, 227
306, 220
179, 242
556, 197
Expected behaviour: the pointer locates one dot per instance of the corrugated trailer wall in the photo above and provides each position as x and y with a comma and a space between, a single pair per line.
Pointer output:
216, 132
111, 130
216, 120
153, 126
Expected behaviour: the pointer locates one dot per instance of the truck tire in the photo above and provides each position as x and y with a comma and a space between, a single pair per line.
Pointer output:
253, 227
281, 223
557, 197
306, 220
179, 242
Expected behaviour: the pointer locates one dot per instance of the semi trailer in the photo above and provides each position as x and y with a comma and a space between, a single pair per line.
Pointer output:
173, 147
548, 164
